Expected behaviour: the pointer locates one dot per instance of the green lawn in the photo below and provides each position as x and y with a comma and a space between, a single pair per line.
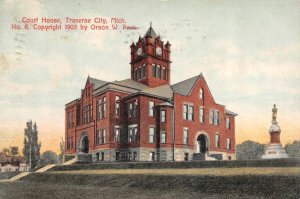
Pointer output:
244, 182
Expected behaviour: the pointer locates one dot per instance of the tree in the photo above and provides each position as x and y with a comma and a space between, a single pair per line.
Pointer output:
49, 157
14, 150
293, 149
6, 151
31, 148
62, 151
11, 151
249, 150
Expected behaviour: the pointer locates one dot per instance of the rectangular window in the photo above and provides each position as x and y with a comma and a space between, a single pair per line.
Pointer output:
211, 116
68, 120
135, 74
72, 119
90, 113
103, 107
117, 134
135, 108
216, 117
152, 156
228, 143
151, 108
143, 70
134, 139
185, 136
153, 70
117, 106
83, 115
129, 156
102, 156
191, 113
201, 115
132, 134
98, 109
185, 112
217, 140
103, 136
151, 135
188, 112
163, 137
134, 155
130, 110
162, 116
98, 138
228, 122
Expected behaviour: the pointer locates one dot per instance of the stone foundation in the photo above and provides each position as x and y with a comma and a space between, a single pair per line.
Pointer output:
274, 151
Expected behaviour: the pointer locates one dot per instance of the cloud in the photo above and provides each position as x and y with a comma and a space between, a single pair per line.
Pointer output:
28, 8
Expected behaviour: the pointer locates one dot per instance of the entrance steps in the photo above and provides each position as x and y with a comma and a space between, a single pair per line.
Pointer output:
202, 156
198, 156
84, 158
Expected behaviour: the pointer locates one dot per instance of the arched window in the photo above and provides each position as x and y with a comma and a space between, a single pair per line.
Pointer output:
163, 73
143, 70
139, 73
201, 93
153, 70
158, 72
135, 74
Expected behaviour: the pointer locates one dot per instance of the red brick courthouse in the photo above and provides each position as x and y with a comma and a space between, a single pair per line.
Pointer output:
144, 118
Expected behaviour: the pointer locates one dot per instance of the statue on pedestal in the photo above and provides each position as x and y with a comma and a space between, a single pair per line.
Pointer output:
274, 149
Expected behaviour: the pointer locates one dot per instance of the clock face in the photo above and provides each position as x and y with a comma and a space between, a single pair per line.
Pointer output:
139, 51
158, 51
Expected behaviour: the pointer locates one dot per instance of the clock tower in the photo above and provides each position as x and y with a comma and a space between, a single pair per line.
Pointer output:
150, 60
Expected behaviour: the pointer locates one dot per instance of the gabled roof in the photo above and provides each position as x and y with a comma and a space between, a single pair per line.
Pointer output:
184, 87
131, 83
150, 32
97, 83
164, 91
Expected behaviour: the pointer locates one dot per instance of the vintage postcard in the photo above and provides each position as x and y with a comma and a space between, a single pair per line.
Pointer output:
149, 99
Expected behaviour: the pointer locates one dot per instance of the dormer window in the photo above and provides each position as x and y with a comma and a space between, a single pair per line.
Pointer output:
201, 94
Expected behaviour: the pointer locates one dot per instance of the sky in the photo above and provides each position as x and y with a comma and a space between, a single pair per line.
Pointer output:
248, 52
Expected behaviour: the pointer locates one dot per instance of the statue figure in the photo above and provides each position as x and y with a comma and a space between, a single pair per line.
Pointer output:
274, 115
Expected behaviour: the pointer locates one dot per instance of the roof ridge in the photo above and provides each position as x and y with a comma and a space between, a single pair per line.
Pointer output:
187, 79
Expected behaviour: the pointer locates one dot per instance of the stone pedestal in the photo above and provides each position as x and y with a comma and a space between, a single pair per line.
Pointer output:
275, 151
